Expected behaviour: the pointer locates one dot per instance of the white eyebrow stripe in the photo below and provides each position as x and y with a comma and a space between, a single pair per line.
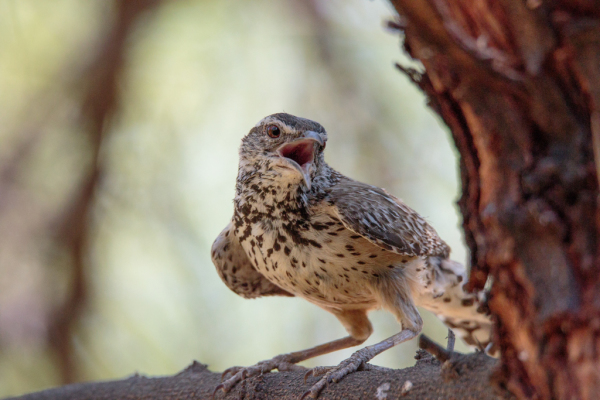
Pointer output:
272, 119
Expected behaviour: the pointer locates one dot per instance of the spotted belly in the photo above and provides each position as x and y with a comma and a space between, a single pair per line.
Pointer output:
335, 268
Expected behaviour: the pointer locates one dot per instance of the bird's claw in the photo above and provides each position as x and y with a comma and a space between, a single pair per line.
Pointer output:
231, 370
219, 387
334, 374
238, 374
317, 371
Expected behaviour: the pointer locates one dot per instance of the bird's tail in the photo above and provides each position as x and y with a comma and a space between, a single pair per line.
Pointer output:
465, 313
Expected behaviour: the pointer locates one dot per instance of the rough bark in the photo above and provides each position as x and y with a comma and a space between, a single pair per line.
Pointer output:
518, 84
430, 380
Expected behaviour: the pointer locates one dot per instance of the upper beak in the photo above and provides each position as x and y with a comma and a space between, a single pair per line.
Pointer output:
301, 153
314, 136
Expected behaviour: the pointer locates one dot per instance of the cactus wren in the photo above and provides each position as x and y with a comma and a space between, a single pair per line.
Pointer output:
300, 228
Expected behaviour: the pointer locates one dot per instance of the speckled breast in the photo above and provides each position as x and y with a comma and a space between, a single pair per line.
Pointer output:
323, 261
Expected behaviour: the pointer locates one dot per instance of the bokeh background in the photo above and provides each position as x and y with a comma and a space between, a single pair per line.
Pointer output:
119, 128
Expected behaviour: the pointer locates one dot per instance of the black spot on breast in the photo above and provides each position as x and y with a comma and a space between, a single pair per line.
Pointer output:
259, 239
340, 255
287, 251
467, 302
245, 209
319, 227
314, 243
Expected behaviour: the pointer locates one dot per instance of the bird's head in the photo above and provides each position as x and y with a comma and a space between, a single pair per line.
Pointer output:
287, 145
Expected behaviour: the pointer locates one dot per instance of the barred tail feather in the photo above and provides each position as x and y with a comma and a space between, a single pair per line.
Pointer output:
465, 313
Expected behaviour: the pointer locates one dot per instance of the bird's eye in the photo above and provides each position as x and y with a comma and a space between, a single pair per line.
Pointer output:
273, 131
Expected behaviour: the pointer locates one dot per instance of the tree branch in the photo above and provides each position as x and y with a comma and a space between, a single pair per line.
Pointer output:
429, 378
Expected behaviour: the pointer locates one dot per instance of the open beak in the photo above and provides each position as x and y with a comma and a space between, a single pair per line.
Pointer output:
301, 153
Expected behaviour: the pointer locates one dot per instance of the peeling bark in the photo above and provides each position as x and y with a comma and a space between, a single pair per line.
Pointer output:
518, 83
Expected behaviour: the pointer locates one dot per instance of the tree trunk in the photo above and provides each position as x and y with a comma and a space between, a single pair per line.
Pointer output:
518, 83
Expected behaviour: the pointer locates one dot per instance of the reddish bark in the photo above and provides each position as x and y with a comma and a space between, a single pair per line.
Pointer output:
518, 84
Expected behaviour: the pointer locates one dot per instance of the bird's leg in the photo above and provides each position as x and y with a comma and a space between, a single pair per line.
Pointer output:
358, 360
355, 322
283, 362
394, 296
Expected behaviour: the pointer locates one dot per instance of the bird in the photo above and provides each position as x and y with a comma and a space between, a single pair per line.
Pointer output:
302, 229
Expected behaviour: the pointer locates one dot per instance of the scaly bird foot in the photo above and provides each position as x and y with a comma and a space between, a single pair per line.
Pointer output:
322, 370
356, 362
282, 362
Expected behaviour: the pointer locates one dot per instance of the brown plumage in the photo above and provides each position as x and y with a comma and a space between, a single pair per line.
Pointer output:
302, 229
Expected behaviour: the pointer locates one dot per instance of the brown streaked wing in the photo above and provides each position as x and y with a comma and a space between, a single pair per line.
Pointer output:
385, 220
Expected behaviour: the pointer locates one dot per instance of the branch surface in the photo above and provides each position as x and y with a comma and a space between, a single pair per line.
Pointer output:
461, 377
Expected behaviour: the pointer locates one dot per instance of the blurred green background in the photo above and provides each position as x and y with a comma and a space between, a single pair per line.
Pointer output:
119, 129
